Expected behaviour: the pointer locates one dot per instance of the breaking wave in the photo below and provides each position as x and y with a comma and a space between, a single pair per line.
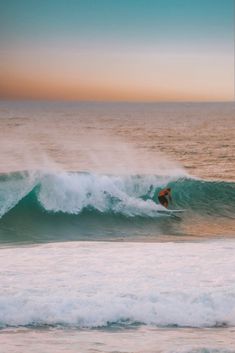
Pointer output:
89, 202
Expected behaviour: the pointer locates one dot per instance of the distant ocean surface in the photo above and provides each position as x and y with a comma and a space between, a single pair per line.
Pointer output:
90, 262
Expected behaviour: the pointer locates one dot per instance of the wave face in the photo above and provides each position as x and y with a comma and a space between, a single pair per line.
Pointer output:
150, 283
94, 205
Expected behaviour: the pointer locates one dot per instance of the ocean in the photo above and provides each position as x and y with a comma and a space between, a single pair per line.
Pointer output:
90, 261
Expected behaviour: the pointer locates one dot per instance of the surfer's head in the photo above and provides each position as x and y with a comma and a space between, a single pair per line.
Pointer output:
168, 189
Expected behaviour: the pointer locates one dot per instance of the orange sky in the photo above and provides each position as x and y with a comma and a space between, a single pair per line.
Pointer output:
115, 76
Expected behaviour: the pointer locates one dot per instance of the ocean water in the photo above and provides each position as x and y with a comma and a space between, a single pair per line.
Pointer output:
90, 262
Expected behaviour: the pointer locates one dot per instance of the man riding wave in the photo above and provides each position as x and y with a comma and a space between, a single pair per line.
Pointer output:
164, 196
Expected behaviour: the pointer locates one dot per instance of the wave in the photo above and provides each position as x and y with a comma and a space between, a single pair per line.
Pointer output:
89, 204
131, 196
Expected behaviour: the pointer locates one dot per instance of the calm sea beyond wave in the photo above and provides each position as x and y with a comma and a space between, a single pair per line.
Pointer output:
90, 261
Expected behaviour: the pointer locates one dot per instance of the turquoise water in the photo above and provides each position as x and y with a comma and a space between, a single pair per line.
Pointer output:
88, 255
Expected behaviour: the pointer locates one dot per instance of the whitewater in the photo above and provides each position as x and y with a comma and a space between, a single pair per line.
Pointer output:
90, 261
97, 285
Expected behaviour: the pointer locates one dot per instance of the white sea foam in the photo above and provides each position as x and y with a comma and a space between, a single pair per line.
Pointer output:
95, 284
71, 193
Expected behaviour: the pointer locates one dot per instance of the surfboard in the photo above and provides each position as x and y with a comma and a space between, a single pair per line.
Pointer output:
172, 213
176, 211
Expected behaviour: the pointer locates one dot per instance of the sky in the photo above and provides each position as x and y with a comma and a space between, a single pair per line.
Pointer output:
109, 50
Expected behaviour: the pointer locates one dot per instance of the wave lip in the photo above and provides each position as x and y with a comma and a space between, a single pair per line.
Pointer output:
161, 284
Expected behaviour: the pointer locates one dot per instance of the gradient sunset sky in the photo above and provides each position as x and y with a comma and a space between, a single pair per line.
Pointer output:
117, 50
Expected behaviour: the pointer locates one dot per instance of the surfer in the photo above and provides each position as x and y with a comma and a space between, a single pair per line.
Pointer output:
163, 197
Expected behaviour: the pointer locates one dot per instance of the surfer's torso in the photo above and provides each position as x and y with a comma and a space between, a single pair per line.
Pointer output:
162, 197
